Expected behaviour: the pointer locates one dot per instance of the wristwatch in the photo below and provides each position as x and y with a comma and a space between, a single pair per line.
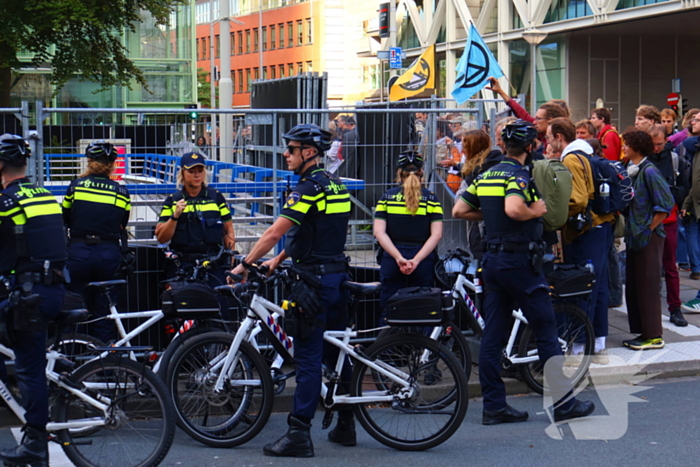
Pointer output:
175, 218
244, 264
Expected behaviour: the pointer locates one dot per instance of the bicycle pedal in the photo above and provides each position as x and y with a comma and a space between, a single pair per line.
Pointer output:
327, 419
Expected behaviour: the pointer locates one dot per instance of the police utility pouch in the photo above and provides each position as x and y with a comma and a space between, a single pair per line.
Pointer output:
570, 280
189, 300
25, 315
413, 306
304, 287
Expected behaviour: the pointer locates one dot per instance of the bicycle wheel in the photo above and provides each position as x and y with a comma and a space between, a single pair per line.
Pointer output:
573, 327
451, 337
412, 420
77, 347
232, 416
176, 344
139, 420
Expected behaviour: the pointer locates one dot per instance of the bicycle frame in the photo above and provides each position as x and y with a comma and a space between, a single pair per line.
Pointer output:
54, 377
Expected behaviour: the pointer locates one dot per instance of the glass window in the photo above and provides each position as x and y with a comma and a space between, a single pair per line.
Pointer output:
233, 82
204, 48
309, 31
281, 71
300, 68
256, 73
290, 69
300, 33
633, 3
273, 40
247, 80
264, 72
197, 49
290, 34
264, 38
217, 46
233, 43
240, 42
273, 72
567, 9
256, 39
247, 41
281, 29
309, 66
240, 80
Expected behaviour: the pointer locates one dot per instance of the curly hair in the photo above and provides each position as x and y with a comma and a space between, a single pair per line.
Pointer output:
98, 168
476, 145
649, 112
639, 141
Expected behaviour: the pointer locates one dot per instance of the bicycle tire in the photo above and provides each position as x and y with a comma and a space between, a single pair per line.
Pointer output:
140, 428
451, 337
573, 326
176, 344
418, 423
234, 415
78, 348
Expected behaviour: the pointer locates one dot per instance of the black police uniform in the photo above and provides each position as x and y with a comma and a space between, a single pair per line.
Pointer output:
320, 208
509, 276
408, 232
33, 250
95, 210
200, 230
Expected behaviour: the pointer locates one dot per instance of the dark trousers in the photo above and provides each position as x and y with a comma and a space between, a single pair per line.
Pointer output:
92, 263
673, 285
615, 291
30, 359
594, 245
309, 353
510, 281
393, 279
642, 291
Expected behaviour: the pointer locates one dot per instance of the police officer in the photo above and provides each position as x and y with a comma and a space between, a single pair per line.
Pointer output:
196, 220
505, 199
33, 254
408, 227
315, 219
96, 211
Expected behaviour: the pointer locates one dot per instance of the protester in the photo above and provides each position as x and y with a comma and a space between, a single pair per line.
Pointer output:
585, 129
607, 135
668, 120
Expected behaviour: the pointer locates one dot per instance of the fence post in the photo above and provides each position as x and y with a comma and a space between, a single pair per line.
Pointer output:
36, 140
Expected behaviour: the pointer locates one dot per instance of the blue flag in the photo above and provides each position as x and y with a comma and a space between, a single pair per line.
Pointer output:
475, 66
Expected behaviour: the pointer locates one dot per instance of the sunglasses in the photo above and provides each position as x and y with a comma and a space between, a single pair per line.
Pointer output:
291, 149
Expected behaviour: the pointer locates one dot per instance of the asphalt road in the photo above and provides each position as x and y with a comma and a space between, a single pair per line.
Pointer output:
656, 426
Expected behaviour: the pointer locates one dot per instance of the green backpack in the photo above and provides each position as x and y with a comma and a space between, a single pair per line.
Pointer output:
553, 181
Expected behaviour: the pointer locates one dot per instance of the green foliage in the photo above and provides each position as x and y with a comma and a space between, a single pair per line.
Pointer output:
76, 36
204, 89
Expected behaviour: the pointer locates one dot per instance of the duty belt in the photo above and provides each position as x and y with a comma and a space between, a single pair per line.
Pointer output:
508, 247
94, 240
323, 269
53, 278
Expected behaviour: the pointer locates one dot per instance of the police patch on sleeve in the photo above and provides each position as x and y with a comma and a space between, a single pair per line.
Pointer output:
293, 198
522, 182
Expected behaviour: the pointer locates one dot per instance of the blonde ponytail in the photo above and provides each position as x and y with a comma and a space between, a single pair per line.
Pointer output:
411, 183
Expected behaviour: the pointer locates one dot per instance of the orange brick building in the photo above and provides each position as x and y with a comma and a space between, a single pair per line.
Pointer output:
274, 43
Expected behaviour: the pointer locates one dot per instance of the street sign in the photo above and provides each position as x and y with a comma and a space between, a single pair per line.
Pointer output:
672, 98
384, 20
676, 85
383, 54
395, 57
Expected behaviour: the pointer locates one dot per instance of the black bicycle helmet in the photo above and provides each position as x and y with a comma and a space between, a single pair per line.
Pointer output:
101, 151
410, 161
310, 134
519, 134
14, 150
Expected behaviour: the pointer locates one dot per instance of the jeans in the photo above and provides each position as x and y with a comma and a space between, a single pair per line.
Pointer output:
692, 243
682, 250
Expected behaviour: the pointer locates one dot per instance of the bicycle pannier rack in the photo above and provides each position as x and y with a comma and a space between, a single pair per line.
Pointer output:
570, 280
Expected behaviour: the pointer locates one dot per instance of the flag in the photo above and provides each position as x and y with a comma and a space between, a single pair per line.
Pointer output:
419, 77
475, 66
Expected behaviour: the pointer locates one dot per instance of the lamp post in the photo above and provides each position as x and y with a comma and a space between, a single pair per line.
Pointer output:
534, 37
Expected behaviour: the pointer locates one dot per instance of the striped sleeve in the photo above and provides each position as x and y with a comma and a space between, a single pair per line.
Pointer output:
469, 196
305, 197
223, 207
518, 185
380, 209
167, 210
435, 213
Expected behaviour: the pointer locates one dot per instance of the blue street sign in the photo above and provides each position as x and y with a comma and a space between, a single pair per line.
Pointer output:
395, 57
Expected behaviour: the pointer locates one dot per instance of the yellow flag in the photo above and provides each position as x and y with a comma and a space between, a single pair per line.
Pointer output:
419, 77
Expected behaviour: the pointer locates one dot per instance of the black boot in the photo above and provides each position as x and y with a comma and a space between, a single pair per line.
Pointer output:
344, 431
34, 450
296, 443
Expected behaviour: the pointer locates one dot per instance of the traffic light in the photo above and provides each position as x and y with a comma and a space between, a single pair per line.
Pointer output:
193, 114
684, 106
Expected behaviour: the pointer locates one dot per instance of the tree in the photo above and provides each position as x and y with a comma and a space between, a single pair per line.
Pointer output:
204, 89
74, 37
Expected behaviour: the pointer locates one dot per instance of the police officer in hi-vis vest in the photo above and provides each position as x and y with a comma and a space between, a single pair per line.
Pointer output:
508, 203
315, 219
32, 256
96, 211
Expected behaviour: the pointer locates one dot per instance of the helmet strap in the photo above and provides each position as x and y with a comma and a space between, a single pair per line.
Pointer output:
300, 170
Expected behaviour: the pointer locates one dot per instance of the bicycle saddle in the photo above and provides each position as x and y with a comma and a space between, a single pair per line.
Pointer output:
104, 284
67, 317
359, 288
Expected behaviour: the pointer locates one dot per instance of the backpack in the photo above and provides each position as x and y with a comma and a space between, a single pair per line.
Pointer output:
553, 181
612, 185
602, 139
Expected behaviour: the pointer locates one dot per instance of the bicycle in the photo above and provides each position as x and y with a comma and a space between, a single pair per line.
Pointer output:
222, 388
110, 411
81, 346
572, 322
